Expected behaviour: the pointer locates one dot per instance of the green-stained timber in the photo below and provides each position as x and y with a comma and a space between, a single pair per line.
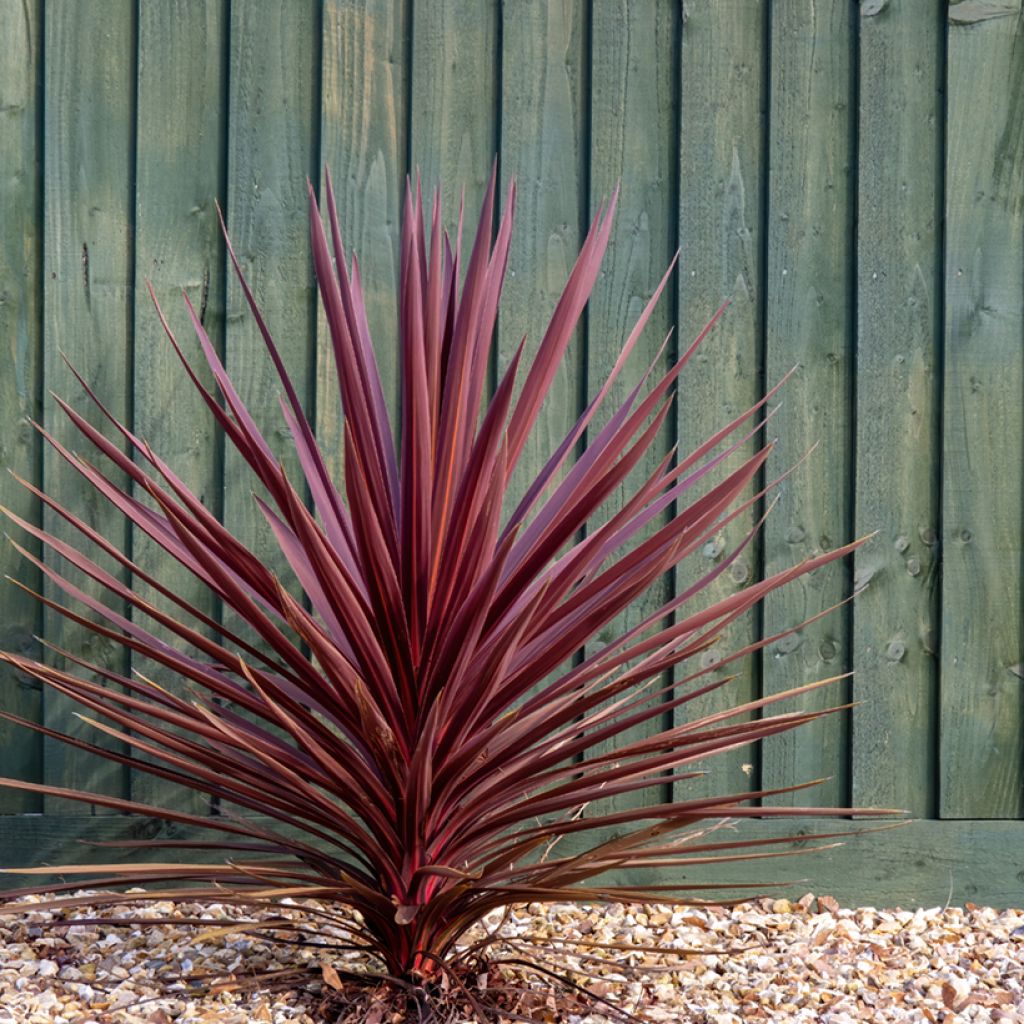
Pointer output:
88, 279
20, 328
633, 141
273, 122
182, 116
924, 863
542, 129
895, 632
721, 203
363, 144
808, 326
982, 693
453, 94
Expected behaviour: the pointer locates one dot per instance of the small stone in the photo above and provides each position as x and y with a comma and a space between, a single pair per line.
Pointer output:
47, 968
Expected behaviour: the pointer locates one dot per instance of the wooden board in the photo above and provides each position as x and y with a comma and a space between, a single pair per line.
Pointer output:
453, 137
273, 129
182, 114
88, 267
722, 167
921, 864
925, 863
20, 328
633, 141
982, 704
363, 143
895, 636
542, 133
809, 297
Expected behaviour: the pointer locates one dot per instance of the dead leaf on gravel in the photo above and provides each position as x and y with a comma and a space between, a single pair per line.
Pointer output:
956, 994
331, 977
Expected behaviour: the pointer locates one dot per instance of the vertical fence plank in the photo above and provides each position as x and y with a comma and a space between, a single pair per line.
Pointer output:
808, 325
895, 634
20, 291
273, 119
633, 140
179, 172
363, 144
720, 214
453, 116
542, 147
982, 711
90, 86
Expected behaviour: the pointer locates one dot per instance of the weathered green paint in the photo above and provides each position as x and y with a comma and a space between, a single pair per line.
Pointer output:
633, 141
20, 330
923, 863
88, 278
273, 122
830, 170
453, 136
895, 633
543, 112
542, 131
179, 173
982, 696
721, 204
272, 129
808, 326
363, 143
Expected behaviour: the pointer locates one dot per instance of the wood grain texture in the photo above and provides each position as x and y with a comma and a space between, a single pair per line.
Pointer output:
273, 122
543, 132
982, 698
633, 141
920, 864
88, 268
20, 328
182, 115
363, 143
925, 863
542, 138
721, 205
808, 326
895, 630
453, 121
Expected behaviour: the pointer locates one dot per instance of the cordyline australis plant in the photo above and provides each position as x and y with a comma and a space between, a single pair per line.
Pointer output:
412, 729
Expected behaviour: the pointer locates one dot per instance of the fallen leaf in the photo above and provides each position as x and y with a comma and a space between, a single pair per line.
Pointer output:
331, 977
956, 994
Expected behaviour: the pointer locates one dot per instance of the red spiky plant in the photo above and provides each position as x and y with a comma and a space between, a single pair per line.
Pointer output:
411, 728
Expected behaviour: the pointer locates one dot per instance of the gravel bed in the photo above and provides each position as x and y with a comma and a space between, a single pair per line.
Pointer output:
767, 960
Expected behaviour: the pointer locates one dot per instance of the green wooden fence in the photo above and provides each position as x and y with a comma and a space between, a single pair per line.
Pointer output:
850, 176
